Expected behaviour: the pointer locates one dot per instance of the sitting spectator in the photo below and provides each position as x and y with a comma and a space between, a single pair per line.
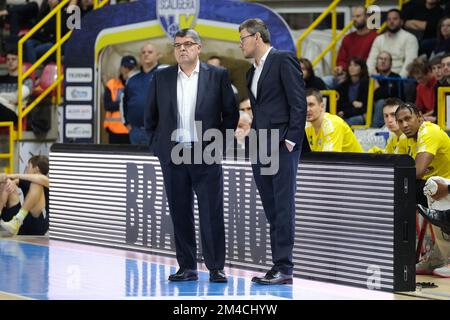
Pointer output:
444, 82
426, 87
390, 105
324, 131
436, 68
311, 81
383, 88
356, 44
8, 89
31, 217
45, 37
352, 103
441, 45
402, 45
21, 16
246, 107
421, 18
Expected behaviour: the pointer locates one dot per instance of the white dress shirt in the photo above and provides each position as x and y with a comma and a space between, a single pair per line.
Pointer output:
186, 101
258, 70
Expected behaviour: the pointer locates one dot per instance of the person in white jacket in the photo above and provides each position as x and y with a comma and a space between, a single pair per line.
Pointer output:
401, 45
9, 89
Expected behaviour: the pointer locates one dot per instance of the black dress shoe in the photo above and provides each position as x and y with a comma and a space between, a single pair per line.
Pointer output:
436, 217
273, 277
184, 275
217, 276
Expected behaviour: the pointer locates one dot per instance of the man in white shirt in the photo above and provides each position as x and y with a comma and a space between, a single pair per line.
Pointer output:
400, 44
180, 97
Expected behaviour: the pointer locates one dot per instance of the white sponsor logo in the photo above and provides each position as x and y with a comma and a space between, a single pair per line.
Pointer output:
79, 75
79, 112
79, 130
79, 93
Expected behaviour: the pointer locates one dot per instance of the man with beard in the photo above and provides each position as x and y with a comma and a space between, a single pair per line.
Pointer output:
355, 44
402, 45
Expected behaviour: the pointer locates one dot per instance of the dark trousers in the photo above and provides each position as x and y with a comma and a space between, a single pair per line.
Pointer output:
7, 115
181, 181
277, 194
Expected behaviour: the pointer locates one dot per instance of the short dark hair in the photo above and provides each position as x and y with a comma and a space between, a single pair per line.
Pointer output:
12, 51
256, 25
447, 55
395, 10
408, 106
41, 162
390, 102
435, 60
188, 33
316, 93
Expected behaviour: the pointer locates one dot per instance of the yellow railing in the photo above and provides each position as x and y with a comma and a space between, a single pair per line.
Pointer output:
22, 76
333, 97
10, 154
441, 108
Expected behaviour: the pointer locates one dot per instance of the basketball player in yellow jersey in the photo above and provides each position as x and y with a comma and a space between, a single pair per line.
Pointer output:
389, 107
425, 142
327, 132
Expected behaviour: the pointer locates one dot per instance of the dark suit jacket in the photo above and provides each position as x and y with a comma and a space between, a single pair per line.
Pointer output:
216, 106
281, 101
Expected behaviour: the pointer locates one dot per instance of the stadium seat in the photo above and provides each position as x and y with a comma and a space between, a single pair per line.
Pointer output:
48, 77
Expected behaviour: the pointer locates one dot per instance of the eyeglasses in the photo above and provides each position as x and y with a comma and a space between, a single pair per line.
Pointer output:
241, 40
187, 44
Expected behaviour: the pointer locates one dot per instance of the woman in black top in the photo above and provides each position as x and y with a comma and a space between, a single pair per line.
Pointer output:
311, 81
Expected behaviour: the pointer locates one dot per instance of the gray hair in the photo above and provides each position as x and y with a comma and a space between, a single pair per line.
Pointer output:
188, 33
256, 25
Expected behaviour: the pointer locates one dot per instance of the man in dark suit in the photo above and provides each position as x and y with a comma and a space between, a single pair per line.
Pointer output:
277, 96
181, 97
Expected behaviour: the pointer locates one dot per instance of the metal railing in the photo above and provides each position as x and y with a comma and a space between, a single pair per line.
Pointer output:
22, 112
10, 154
98, 4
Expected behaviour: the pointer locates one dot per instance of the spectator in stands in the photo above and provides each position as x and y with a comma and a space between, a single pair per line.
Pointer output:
421, 18
426, 87
217, 61
246, 107
21, 16
425, 142
390, 105
311, 81
31, 217
402, 45
352, 103
8, 89
327, 132
436, 68
114, 88
45, 37
384, 88
441, 44
135, 95
356, 44
444, 82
